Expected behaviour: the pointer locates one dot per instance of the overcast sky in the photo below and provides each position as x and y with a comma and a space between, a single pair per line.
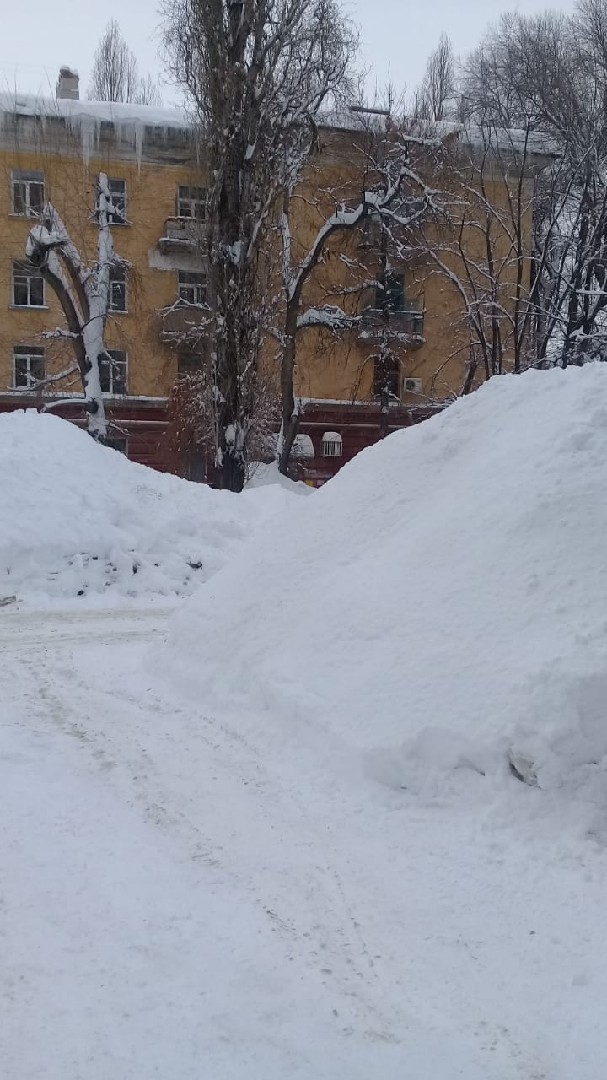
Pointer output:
396, 36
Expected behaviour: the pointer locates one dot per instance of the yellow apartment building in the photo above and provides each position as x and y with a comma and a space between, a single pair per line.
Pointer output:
53, 150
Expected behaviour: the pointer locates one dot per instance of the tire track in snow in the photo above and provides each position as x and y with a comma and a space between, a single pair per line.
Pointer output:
76, 679
329, 939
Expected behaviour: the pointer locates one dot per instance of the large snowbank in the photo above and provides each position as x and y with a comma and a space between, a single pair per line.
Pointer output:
437, 613
79, 519
294, 848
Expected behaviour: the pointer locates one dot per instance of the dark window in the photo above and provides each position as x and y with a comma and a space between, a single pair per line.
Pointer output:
28, 366
391, 294
386, 371
118, 297
28, 286
28, 193
113, 372
192, 203
192, 287
188, 363
118, 194
119, 444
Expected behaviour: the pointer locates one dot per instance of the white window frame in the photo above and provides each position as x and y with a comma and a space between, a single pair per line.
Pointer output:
29, 353
26, 179
119, 358
26, 274
191, 206
198, 288
119, 198
303, 448
121, 269
331, 444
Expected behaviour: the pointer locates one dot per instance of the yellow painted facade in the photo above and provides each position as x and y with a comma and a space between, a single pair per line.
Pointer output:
151, 189
154, 158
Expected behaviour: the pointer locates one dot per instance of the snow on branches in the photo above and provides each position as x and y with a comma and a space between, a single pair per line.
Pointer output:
387, 199
257, 75
83, 292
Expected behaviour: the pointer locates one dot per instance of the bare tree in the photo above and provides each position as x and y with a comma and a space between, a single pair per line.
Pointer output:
115, 72
147, 92
549, 73
437, 89
389, 197
257, 73
83, 292
484, 250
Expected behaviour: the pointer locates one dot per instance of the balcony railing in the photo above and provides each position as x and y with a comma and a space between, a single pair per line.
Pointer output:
183, 234
406, 324
182, 324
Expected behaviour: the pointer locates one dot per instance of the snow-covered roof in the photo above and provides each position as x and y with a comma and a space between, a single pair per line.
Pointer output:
515, 139
129, 118
132, 124
112, 112
355, 119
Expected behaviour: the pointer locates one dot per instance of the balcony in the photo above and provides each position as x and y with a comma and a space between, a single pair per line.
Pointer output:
183, 324
406, 325
183, 234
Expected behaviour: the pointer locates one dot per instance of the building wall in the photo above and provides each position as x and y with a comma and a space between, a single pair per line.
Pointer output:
154, 162
71, 184
341, 368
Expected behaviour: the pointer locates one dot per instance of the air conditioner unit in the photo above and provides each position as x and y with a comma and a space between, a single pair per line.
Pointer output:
412, 386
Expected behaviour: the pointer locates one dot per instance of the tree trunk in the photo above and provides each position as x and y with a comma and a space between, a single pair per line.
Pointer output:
230, 283
230, 472
290, 418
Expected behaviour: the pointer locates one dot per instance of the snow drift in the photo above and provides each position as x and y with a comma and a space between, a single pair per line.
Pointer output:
79, 519
317, 862
437, 613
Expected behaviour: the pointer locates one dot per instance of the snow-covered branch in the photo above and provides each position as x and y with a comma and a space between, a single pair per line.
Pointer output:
328, 317
83, 292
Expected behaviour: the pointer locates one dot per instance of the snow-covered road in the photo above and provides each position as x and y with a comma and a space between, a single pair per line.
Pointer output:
187, 896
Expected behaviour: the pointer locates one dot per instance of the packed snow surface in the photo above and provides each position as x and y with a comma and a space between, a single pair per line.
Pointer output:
442, 601
79, 520
420, 661
344, 816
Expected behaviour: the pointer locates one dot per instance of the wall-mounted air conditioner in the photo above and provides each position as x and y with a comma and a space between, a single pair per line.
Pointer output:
412, 386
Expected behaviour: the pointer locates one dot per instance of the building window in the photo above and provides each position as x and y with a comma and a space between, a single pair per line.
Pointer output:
302, 448
118, 295
331, 445
188, 363
119, 444
28, 286
192, 203
390, 295
118, 194
28, 193
192, 288
113, 372
28, 366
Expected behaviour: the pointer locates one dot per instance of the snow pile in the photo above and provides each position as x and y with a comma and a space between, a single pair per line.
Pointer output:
317, 862
436, 616
79, 519
266, 473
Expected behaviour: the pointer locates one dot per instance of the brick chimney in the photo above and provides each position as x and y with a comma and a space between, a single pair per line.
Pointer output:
67, 84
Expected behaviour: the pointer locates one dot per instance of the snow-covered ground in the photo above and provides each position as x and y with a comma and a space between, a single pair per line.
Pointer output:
80, 521
276, 834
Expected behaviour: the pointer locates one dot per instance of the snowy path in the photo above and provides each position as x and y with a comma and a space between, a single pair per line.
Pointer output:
188, 897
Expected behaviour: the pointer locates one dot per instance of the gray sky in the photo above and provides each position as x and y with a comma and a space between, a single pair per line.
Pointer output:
396, 36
